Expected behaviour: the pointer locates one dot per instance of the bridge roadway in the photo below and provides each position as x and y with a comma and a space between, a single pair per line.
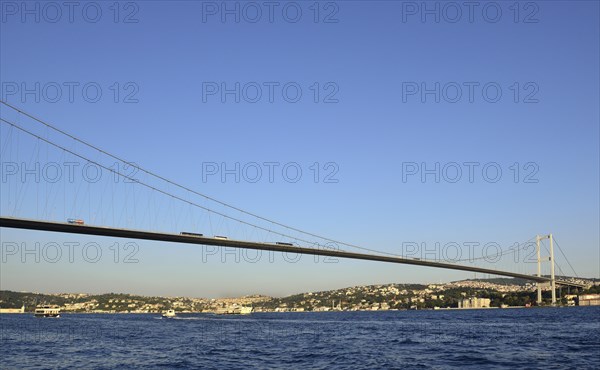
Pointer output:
18, 223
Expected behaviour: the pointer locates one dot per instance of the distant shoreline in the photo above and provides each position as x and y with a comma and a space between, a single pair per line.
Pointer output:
297, 312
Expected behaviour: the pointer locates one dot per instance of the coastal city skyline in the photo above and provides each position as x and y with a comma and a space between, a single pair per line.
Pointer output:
497, 293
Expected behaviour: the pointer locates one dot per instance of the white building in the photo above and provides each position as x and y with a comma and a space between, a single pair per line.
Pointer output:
474, 303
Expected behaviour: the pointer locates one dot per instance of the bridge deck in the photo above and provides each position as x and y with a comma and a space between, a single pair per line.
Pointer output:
18, 223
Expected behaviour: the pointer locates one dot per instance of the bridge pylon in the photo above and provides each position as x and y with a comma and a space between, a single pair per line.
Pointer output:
550, 258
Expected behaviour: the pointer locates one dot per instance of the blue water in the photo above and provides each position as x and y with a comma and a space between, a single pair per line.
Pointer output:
548, 338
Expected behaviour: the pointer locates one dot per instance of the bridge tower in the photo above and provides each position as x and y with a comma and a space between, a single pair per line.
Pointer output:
550, 258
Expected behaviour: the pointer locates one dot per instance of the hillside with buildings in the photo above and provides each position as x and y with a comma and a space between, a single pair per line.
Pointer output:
477, 293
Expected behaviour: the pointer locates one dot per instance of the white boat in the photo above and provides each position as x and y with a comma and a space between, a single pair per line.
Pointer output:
169, 314
47, 311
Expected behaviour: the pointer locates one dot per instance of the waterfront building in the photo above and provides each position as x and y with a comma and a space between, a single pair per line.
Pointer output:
474, 303
13, 310
589, 300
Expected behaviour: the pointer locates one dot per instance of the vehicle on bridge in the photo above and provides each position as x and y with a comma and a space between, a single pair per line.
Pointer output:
287, 244
190, 234
220, 237
75, 221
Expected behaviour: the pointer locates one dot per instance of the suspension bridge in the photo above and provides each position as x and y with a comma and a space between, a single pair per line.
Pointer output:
143, 196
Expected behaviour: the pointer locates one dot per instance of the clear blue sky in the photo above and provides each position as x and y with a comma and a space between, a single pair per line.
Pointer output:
365, 57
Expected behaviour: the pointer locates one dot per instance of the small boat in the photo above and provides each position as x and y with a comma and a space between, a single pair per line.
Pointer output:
47, 311
169, 314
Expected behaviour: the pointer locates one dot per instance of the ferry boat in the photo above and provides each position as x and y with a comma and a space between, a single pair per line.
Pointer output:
169, 314
47, 311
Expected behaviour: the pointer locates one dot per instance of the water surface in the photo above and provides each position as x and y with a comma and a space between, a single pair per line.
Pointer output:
549, 338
